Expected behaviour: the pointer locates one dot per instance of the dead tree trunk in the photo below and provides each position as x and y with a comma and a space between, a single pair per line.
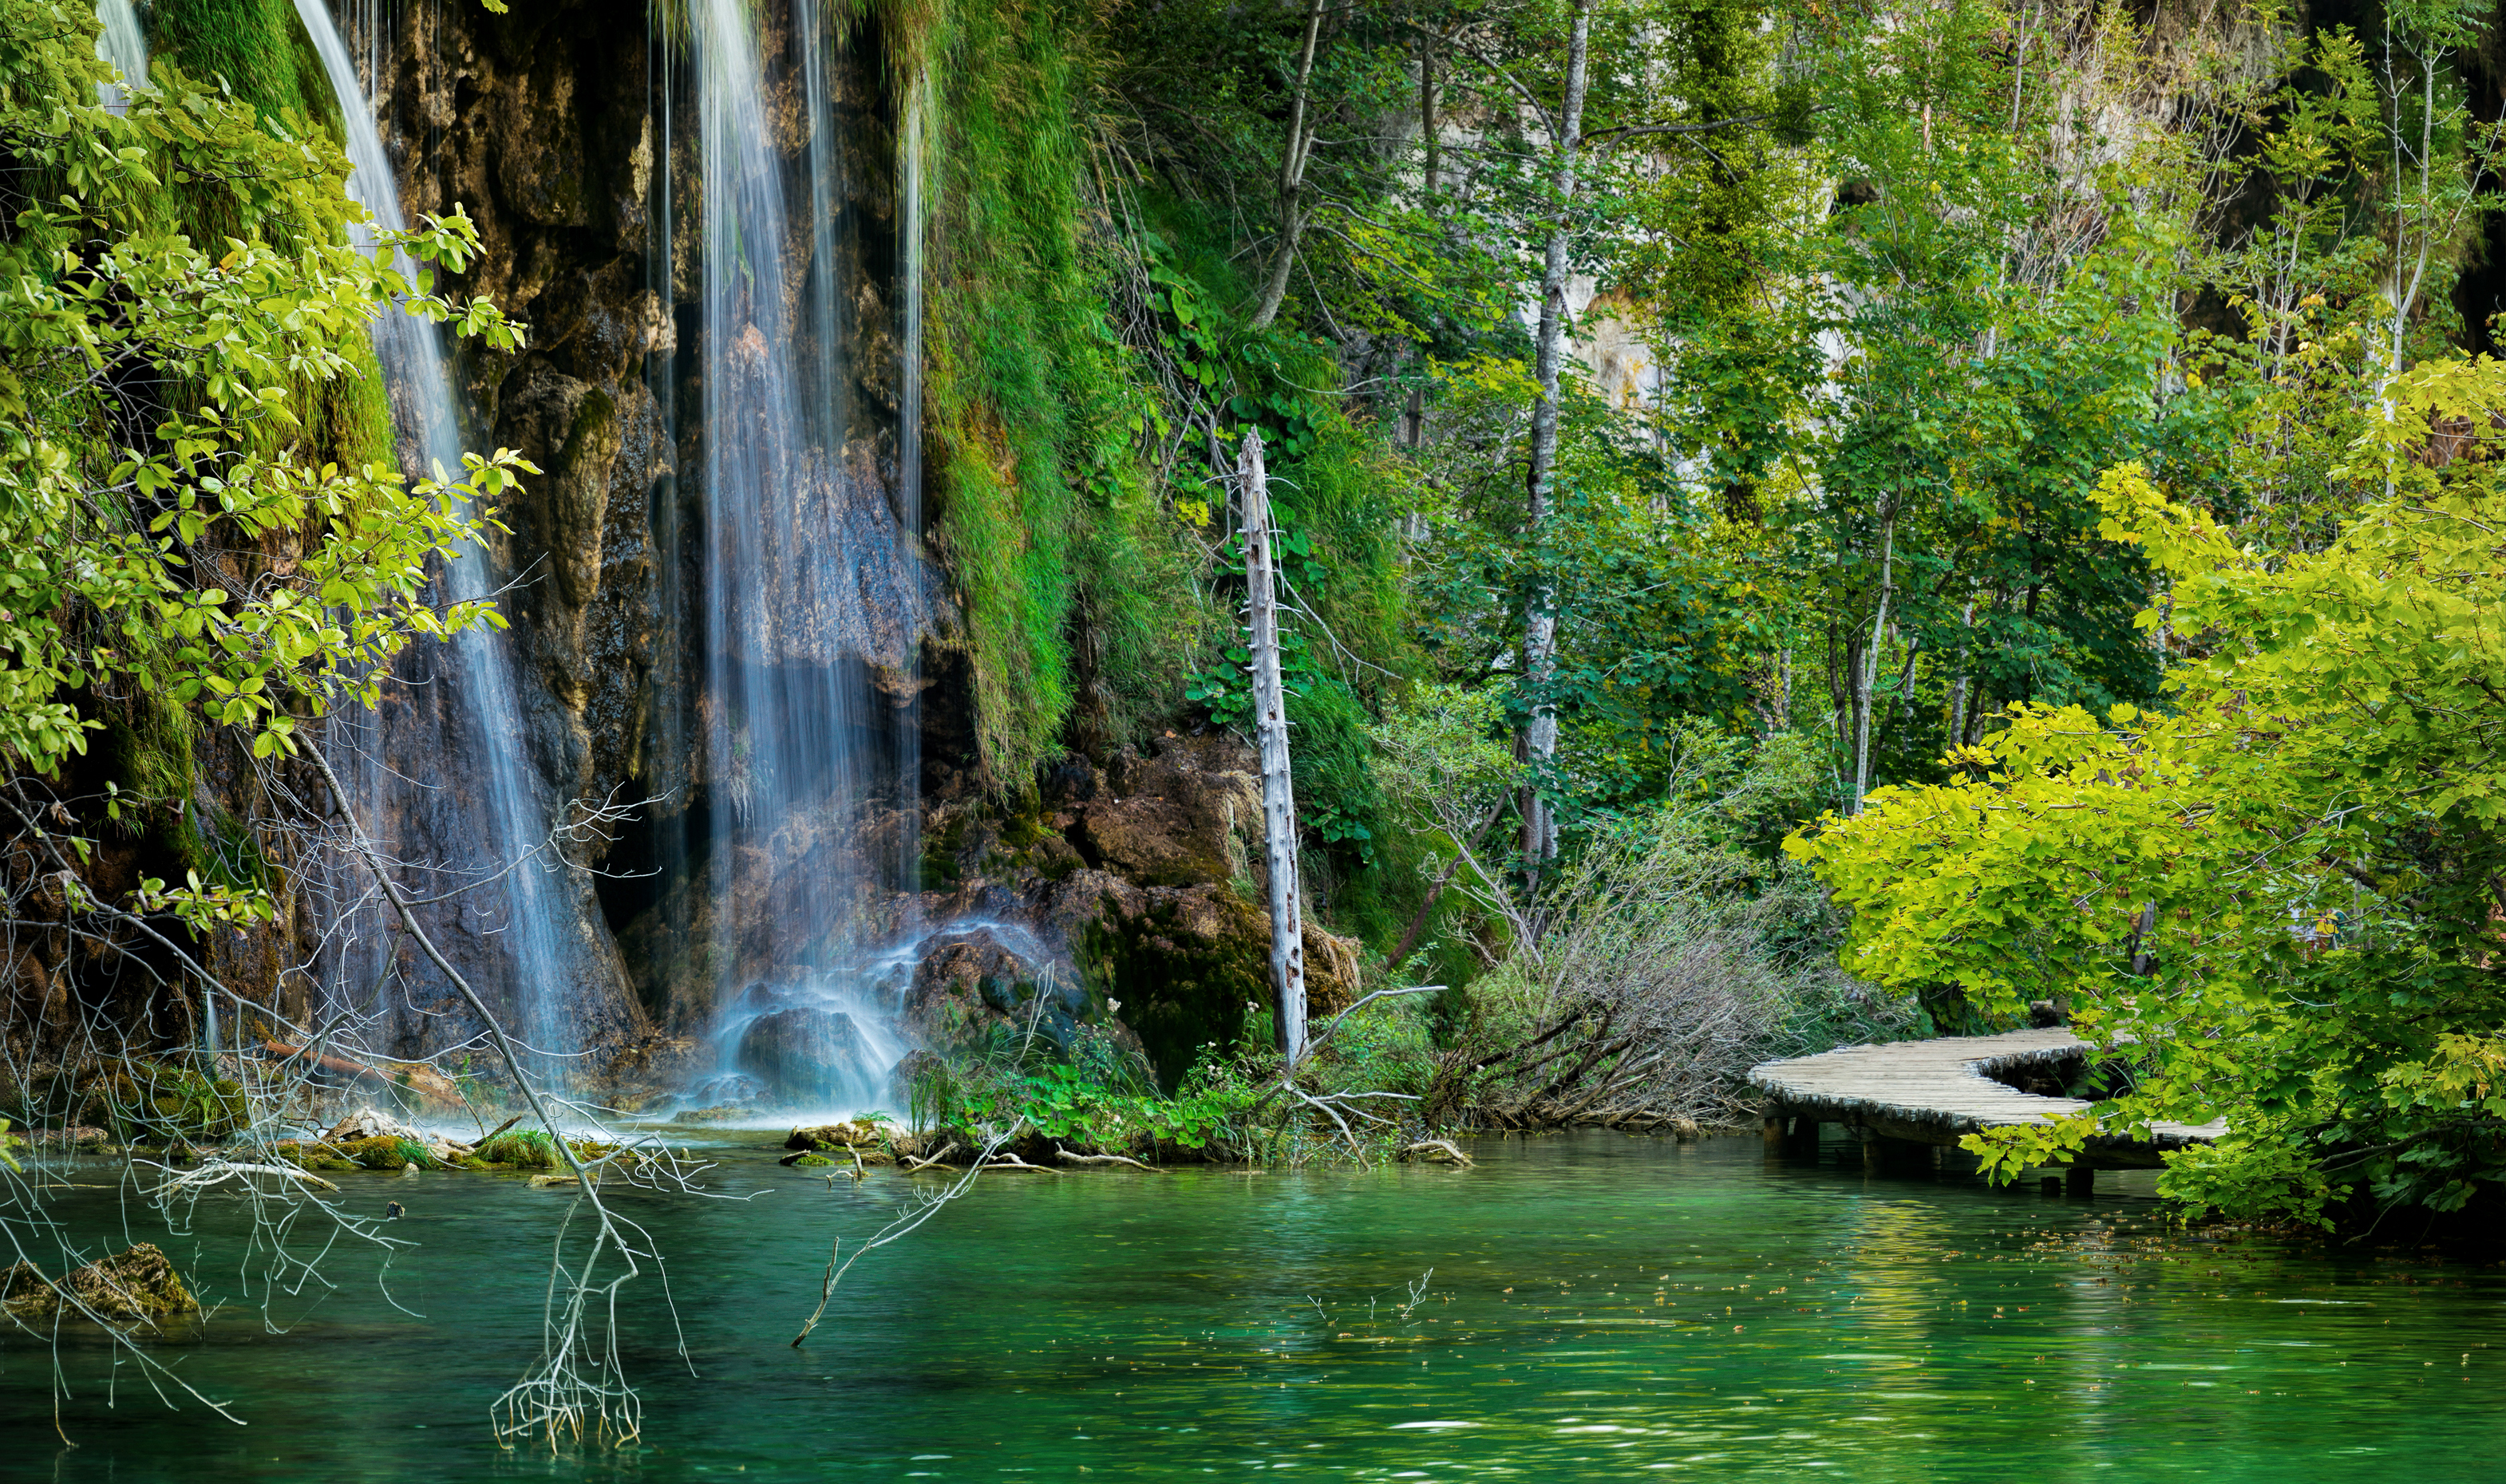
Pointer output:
1537, 743
1271, 720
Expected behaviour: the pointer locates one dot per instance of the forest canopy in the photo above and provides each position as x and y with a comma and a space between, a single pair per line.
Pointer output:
1996, 492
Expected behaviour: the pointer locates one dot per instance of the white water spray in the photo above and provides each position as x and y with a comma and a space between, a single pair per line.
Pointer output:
123, 44
799, 543
547, 970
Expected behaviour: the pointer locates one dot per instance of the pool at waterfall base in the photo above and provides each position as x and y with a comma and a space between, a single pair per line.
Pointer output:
1584, 1306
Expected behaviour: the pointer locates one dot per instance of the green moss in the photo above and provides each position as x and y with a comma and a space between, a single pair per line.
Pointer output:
521, 1149
1043, 511
146, 753
380, 1154
1182, 990
165, 1102
267, 62
313, 1156
256, 47
939, 863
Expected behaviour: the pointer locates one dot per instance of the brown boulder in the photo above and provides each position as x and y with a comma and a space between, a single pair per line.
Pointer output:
1182, 818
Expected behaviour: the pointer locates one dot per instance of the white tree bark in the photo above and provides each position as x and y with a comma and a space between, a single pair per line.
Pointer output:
1867, 679
1270, 721
1537, 743
1958, 685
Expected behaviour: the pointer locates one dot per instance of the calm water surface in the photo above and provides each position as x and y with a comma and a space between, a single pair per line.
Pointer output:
1599, 1308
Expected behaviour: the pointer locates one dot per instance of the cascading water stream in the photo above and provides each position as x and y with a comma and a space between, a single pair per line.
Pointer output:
123, 44
542, 961
801, 544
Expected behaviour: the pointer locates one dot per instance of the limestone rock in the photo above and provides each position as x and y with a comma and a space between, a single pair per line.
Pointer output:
852, 1133
970, 981
369, 1123
1182, 818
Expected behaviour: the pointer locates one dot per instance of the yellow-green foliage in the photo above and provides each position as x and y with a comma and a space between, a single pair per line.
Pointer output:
260, 53
161, 1101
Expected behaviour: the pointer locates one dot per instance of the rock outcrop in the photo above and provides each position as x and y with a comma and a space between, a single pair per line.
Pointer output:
1131, 878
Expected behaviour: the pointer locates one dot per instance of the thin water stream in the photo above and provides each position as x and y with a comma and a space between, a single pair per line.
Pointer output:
553, 972
1599, 1308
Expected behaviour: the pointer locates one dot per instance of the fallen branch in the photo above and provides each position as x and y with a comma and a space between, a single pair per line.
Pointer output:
1013, 1162
1443, 1149
1068, 1157
210, 1175
903, 1226
914, 1165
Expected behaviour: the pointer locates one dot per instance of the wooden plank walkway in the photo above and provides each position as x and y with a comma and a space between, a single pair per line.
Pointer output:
1935, 1092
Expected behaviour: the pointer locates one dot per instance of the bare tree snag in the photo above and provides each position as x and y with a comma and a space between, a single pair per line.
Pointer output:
1537, 743
1270, 723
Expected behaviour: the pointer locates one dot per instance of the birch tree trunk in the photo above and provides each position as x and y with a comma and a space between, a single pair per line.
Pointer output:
1866, 676
1292, 180
1958, 684
1271, 720
1537, 743
1427, 124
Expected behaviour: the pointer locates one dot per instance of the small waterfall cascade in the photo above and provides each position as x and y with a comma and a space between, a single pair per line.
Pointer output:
504, 818
807, 564
123, 44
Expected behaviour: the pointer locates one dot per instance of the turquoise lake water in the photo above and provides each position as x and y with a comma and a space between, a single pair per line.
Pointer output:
1599, 1307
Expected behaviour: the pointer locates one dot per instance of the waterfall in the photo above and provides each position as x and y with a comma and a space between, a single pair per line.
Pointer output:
801, 589
549, 968
123, 44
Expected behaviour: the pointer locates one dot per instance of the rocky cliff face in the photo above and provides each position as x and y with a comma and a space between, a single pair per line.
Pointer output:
568, 138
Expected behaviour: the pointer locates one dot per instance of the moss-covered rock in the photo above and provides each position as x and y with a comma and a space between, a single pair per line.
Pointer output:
806, 1161
320, 1158
387, 1152
1184, 966
852, 1133
130, 1288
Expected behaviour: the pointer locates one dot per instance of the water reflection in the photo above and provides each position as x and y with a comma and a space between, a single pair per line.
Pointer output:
1599, 1308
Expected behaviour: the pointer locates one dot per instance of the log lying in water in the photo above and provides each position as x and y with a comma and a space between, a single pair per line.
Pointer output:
414, 1076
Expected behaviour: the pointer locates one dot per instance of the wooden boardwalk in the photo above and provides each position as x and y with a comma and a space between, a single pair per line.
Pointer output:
1935, 1092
